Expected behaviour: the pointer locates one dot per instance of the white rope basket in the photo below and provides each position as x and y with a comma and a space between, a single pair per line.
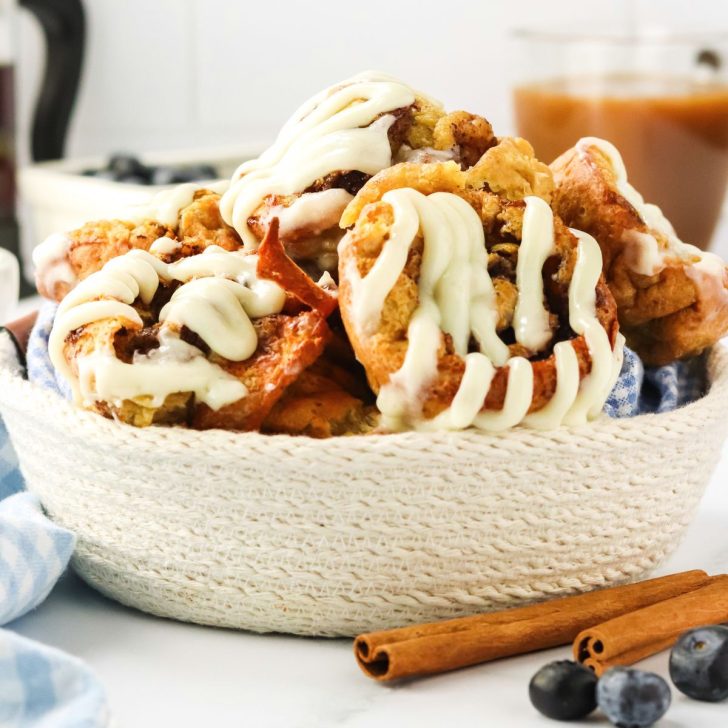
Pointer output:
340, 536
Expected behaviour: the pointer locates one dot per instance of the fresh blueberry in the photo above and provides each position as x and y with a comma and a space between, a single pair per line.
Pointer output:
632, 698
127, 165
563, 690
699, 663
172, 175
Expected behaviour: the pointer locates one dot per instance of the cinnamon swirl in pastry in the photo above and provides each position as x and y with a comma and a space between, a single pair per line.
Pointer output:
202, 341
186, 219
467, 309
672, 298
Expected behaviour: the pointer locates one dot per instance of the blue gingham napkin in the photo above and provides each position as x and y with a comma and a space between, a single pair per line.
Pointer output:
641, 390
10, 479
34, 552
40, 687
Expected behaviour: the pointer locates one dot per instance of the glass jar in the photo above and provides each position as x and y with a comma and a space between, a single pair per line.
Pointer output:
661, 99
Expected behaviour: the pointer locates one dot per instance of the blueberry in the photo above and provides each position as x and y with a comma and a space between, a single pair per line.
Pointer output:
172, 175
699, 663
632, 698
563, 690
127, 165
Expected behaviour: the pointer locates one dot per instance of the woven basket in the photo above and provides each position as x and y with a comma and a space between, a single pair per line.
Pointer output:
335, 537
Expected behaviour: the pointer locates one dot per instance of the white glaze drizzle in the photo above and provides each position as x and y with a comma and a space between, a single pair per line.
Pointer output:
312, 211
582, 319
165, 206
344, 127
157, 375
52, 266
219, 296
456, 296
165, 246
531, 319
644, 254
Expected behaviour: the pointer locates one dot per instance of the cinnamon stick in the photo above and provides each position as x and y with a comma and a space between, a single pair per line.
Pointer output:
442, 646
631, 637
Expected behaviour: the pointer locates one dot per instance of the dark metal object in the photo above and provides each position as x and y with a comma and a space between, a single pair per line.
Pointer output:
64, 27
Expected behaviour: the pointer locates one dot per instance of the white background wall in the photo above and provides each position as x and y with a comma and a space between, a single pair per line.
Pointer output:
175, 73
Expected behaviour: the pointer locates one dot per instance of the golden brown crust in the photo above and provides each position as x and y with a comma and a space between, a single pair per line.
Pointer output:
96, 243
677, 312
319, 404
468, 135
287, 345
382, 352
508, 168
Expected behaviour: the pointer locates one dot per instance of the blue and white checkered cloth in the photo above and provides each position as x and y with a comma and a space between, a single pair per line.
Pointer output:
640, 390
10, 479
40, 687
34, 552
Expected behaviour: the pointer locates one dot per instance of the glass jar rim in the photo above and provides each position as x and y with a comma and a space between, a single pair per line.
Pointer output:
656, 37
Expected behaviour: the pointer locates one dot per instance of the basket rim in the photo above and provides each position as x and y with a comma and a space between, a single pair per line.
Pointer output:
18, 393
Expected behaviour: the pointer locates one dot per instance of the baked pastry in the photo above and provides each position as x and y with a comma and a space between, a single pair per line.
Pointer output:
672, 298
381, 229
331, 146
181, 221
466, 308
203, 341
325, 401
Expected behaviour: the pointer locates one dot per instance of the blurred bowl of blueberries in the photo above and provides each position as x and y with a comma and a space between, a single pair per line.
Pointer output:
129, 169
63, 195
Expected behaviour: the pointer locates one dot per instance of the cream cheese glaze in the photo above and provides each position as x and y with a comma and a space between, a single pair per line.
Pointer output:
220, 294
50, 260
165, 206
314, 212
342, 128
644, 254
456, 296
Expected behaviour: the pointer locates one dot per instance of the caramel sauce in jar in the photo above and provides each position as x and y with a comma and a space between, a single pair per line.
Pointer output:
672, 133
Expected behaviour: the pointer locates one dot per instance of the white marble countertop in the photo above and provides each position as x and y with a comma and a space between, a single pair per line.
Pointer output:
162, 673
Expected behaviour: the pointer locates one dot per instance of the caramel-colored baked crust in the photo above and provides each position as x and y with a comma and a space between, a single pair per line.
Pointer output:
92, 246
508, 168
286, 346
382, 353
676, 313
505, 165
320, 404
